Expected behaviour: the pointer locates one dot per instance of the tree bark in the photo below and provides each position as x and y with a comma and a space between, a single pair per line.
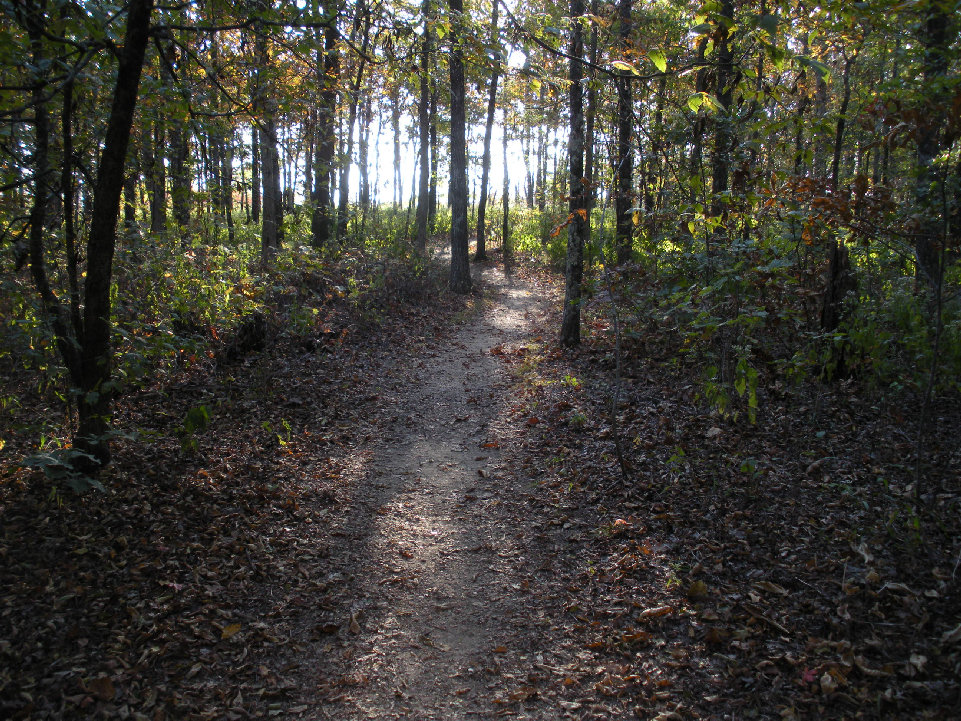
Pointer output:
423, 121
936, 35
481, 253
839, 279
589, 140
255, 180
94, 401
348, 154
624, 167
271, 235
460, 280
577, 219
505, 202
723, 127
432, 194
328, 68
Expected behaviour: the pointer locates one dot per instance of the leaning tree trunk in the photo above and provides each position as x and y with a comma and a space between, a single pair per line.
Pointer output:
577, 219
95, 390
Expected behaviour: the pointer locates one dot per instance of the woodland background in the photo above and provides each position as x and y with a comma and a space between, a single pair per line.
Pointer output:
756, 204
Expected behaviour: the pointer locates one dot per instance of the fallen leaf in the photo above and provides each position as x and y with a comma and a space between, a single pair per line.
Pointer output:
102, 688
230, 630
697, 590
655, 612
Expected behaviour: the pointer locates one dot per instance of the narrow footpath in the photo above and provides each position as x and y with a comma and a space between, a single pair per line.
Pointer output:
436, 546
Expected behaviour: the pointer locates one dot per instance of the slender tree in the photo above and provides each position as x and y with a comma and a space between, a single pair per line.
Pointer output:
624, 161
84, 341
481, 253
423, 126
577, 205
460, 280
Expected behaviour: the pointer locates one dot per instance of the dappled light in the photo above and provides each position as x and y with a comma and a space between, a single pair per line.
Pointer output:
463, 359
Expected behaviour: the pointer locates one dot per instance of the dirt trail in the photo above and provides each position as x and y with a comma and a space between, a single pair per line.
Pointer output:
441, 623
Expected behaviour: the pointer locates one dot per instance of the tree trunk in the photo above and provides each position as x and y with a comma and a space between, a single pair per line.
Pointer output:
723, 126
158, 180
481, 253
460, 280
936, 35
395, 125
94, 399
505, 202
180, 178
348, 154
432, 194
624, 168
363, 152
271, 235
577, 219
589, 124
423, 122
839, 279
328, 68
255, 182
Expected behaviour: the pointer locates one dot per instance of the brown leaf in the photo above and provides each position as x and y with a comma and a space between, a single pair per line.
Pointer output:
230, 630
102, 688
655, 612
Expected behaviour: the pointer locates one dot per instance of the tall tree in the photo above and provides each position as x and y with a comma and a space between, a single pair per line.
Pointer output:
84, 342
723, 123
423, 126
481, 253
328, 69
624, 162
265, 104
937, 31
353, 100
577, 205
460, 280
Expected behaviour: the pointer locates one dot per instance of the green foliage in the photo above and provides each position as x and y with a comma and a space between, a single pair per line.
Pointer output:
59, 464
196, 421
888, 340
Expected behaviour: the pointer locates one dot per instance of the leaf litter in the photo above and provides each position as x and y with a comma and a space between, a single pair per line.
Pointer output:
429, 521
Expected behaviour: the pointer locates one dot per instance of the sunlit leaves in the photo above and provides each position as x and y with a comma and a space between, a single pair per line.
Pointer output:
704, 100
625, 67
660, 61
822, 70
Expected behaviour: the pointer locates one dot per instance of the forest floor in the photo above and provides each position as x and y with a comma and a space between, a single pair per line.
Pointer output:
423, 515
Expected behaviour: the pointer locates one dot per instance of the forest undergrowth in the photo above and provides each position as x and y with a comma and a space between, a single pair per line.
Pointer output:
714, 567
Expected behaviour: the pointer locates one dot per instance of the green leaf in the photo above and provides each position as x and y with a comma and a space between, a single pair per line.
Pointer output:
823, 71
625, 67
657, 57
702, 29
768, 23
705, 100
